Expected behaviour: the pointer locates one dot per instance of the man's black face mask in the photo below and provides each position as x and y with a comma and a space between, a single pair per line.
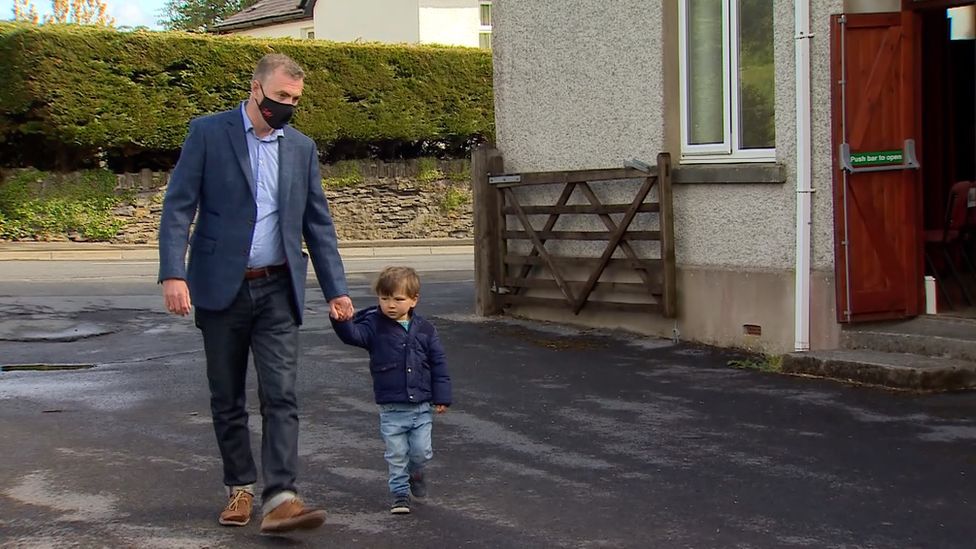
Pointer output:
274, 113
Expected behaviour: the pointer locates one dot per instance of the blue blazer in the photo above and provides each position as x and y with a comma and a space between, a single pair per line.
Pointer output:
213, 180
407, 366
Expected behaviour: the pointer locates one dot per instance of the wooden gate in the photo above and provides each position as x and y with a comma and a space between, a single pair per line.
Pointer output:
543, 277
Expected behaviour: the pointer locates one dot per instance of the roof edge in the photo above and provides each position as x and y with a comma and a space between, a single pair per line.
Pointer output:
261, 22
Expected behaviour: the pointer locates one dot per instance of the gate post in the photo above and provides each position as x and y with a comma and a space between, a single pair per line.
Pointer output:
670, 297
486, 160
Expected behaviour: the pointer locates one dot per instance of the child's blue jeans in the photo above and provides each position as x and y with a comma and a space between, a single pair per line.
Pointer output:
406, 432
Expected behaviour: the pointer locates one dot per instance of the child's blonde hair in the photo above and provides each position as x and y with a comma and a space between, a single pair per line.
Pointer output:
397, 279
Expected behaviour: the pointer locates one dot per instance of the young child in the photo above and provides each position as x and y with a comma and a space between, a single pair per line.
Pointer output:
409, 373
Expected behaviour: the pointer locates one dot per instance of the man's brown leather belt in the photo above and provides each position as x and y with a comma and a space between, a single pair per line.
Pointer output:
261, 272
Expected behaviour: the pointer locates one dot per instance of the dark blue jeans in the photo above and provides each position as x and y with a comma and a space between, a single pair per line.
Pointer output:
260, 320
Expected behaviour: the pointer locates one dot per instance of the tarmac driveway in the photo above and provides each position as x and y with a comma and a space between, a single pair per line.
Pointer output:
559, 438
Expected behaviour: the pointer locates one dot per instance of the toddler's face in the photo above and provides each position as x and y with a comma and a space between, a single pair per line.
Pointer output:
398, 305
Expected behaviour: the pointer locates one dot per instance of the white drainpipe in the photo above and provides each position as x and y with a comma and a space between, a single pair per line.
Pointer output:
804, 174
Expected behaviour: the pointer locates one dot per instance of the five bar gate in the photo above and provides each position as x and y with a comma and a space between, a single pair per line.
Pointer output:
507, 278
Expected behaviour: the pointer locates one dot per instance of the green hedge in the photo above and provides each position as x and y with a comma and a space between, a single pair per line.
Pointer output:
89, 89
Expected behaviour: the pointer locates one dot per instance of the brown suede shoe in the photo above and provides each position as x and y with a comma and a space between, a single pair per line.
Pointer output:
238, 510
292, 515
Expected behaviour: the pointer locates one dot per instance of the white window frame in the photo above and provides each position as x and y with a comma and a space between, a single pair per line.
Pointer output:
484, 29
728, 150
308, 33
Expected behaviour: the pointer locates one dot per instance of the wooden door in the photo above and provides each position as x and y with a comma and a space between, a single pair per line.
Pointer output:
878, 214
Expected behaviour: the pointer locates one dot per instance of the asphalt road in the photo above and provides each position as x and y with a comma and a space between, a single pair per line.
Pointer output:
559, 437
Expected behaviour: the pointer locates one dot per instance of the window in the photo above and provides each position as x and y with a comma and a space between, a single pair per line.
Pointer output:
486, 14
484, 31
308, 33
727, 80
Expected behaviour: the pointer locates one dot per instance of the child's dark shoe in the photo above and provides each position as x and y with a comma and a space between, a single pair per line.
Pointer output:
418, 486
401, 505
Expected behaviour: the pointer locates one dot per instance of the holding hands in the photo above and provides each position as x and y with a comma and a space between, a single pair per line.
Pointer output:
340, 308
177, 299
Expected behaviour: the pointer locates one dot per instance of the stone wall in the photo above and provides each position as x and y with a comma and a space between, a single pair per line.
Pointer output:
399, 208
381, 201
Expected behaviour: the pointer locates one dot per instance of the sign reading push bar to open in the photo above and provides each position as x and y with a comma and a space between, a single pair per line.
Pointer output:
878, 161
878, 158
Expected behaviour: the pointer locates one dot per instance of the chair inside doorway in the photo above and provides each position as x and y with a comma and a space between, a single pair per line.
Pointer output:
949, 250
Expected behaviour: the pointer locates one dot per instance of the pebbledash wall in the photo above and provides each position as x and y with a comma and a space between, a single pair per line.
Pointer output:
593, 86
390, 202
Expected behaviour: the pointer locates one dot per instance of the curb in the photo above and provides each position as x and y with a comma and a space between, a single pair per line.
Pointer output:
80, 251
888, 370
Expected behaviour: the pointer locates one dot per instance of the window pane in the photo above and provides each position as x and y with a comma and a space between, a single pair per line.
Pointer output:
757, 89
484, 40
485, 15
706, 97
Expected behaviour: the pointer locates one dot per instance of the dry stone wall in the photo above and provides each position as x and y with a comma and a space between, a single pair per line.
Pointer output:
389, 202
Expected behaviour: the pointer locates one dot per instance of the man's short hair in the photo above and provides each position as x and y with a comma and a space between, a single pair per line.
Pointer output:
274, 61
397, 279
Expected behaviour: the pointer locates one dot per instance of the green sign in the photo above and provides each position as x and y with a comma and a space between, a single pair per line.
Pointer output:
877, 158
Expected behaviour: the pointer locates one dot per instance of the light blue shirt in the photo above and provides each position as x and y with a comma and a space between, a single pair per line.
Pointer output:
266, 245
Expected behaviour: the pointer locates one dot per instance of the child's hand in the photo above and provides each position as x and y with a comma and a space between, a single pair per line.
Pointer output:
440, 408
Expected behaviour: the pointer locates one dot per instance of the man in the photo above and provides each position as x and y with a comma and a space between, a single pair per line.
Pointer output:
253, 182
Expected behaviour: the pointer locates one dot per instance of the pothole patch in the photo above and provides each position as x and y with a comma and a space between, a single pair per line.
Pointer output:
44, 367
53, 330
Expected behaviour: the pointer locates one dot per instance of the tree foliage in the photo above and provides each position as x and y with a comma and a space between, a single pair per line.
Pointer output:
199, 15
81, 12
26, 12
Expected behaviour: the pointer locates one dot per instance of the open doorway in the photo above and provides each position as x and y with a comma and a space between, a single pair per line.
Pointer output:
947, 118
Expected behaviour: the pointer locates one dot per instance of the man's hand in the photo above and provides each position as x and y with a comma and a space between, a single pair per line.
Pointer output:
340, 308
440, 408
176, 296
